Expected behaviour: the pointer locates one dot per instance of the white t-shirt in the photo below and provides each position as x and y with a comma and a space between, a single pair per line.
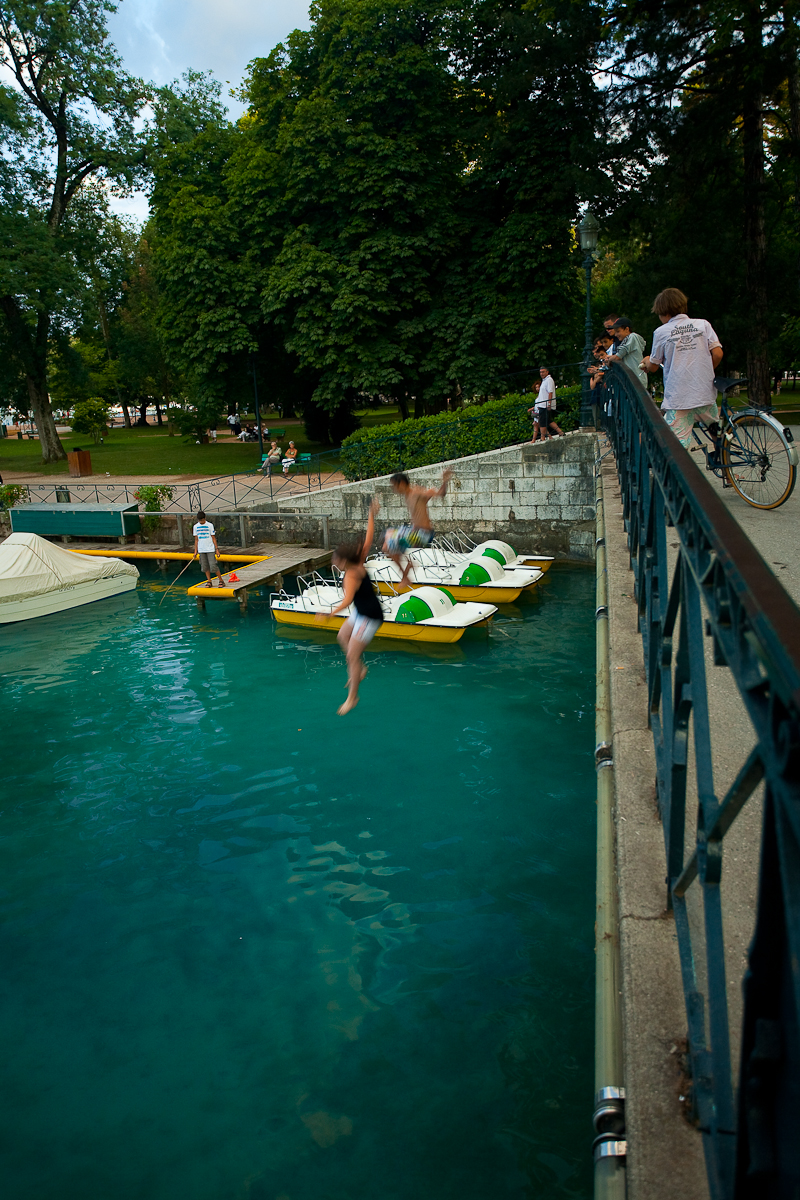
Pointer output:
683, 347
546, 392
629, 352
204, 532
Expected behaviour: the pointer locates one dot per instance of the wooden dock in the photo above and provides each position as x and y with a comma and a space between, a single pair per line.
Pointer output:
277, 561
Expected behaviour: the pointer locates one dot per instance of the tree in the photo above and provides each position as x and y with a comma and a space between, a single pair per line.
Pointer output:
91, 416
70, 119
711, 82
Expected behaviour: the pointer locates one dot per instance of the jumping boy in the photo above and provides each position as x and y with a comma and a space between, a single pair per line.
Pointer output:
419, 531
360, 628
205, 546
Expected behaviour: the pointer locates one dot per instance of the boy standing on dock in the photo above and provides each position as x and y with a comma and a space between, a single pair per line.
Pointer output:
419, 531
205, 546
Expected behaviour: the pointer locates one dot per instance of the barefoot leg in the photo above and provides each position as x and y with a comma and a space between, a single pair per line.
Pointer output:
355, 673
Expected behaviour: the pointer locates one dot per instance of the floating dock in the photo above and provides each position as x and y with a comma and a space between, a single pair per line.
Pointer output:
266, 566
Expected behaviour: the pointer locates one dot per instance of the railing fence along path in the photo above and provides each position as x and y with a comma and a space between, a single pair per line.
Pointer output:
749, 1113
247, 487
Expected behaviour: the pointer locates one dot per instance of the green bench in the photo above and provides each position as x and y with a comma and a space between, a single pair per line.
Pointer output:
76, 520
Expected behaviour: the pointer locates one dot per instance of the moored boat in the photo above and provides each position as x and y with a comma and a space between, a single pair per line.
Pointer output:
431, 614
479, 579
38, 578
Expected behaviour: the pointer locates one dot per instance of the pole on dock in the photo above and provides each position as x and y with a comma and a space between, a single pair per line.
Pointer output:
610, 1147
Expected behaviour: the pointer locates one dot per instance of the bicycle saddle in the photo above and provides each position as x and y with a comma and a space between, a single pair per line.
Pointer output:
725, 385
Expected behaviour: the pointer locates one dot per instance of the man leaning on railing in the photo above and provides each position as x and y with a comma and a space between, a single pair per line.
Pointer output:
689, 351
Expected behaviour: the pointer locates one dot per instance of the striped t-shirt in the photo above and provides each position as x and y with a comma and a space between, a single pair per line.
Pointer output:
204, 532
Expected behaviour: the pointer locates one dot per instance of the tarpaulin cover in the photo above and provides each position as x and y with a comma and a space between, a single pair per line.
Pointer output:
32, 566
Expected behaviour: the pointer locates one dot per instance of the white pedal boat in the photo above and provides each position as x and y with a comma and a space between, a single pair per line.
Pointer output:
457, 547
38, 578
480, 578
430, 615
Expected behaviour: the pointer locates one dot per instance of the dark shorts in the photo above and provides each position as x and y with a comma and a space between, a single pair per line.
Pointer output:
544, 416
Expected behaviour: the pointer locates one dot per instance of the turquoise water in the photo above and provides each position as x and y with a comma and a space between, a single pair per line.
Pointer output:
255, 951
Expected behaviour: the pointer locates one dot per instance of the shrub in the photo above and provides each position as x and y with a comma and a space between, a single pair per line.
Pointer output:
382, 449
91, 416
11, 494
153, 495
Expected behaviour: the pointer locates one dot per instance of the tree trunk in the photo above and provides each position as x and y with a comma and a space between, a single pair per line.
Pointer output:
49, 441
159, 418
142, 420
402, 404
758, 372
31, 355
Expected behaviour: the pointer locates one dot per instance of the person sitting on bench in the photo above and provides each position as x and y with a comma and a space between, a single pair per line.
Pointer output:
289, 460
273, 457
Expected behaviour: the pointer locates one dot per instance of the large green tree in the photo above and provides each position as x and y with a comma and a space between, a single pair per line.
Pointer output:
705, 102
70, 118
392, 215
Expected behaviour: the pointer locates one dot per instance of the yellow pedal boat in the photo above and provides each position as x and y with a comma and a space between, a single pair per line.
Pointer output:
430, 615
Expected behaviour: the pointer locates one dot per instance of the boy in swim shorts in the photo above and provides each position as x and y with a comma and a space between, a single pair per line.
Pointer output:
360, 628
418, 531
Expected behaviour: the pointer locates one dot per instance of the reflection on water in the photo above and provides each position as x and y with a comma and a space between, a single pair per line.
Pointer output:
253, 950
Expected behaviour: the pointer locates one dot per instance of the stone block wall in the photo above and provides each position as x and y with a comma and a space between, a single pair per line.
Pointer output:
540, 498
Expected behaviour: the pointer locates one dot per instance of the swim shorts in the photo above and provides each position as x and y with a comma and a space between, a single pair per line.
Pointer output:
363, 628
681, 421
208, 562
407, 537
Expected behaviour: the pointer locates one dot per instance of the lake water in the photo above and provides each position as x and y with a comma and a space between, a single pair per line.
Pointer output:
256, 951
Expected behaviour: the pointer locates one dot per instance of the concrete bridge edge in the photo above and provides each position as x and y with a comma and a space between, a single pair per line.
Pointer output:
664, 1151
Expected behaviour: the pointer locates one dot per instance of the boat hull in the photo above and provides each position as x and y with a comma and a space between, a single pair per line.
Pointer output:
65, 598
388, 629
483, 595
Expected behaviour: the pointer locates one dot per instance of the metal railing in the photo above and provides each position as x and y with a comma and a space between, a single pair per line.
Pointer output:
751, 1143
244, 488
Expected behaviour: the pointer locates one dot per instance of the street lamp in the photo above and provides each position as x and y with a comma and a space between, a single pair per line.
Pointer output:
258, 414
588, 235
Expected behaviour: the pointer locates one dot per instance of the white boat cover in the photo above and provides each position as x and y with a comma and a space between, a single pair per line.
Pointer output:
32, 566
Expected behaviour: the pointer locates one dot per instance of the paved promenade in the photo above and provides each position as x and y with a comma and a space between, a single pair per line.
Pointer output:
665, 1151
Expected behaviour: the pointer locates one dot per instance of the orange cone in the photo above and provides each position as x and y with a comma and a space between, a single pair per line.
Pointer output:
233, 577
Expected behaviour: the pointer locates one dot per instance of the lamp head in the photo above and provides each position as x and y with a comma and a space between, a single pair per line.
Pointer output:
589, 232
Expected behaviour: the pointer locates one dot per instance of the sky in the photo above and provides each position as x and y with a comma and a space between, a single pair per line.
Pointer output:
160, 39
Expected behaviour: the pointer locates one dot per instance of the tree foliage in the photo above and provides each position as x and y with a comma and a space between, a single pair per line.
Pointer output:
69, 130
392, 214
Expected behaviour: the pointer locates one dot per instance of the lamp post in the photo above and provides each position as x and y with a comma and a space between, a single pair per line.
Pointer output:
588, 234
258, 414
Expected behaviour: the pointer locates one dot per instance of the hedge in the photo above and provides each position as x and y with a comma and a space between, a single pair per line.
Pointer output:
383, 449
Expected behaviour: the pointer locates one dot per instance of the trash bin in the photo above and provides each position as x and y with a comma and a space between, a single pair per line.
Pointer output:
80, 463
63, 496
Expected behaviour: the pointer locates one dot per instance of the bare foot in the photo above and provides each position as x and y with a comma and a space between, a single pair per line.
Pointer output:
361, 680
348, 704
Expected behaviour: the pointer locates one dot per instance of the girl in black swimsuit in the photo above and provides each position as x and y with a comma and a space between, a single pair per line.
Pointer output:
360, 628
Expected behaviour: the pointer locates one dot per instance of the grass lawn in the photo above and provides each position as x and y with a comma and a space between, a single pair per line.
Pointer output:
152, 451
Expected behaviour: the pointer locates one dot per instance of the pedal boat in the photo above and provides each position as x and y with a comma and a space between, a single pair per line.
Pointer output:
481, 579
430, 615
448, 549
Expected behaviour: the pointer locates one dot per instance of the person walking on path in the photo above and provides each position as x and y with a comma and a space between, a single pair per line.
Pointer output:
544, 409
630, 349
205, 545
418, 532
689, 351
361, 626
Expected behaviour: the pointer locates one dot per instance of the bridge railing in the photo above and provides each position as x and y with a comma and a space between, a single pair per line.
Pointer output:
711, 582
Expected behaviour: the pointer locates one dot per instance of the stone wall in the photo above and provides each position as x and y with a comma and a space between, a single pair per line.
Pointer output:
537, 497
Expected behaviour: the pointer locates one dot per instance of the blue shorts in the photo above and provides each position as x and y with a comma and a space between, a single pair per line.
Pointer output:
407, 537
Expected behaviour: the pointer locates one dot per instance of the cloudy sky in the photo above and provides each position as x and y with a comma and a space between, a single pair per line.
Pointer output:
160, 39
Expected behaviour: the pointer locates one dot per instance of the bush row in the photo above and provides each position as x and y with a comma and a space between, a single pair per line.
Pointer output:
382, 449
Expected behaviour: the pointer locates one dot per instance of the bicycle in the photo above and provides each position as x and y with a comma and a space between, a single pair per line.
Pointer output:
752, 451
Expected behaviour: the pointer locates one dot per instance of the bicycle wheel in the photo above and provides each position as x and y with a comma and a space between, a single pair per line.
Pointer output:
758, 461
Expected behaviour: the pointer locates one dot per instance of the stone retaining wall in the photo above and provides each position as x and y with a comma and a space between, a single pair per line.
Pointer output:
537, 497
